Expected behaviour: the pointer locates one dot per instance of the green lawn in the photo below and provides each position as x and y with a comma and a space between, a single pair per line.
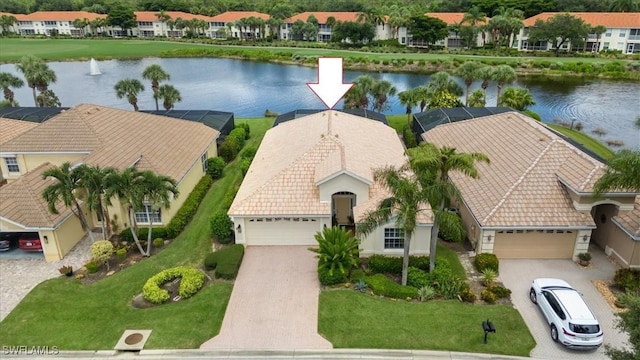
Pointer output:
350, 319
454, 261
585, 140
62, 312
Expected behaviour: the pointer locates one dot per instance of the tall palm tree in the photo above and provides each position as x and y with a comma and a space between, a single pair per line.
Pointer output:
469, 71
422, 94
37, 74
622, 173
358, 96
433, 165
476, 99
517, 98
169, 96
155, 73
81, 24
442, 81
125, 185
156, 191
474, 16
64, 190
503, 74
7, 81
129, 88
163, 17
380, 92
408, 98
598, 30
96, 181
7, 21
486, 75
405, 201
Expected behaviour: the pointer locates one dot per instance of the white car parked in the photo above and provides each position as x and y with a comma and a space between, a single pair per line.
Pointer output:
571, 321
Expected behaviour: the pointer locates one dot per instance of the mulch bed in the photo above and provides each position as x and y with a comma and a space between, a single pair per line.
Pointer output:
609, 292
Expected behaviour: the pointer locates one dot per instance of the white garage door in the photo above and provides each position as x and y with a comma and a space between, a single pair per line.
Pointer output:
540, 244
282, 231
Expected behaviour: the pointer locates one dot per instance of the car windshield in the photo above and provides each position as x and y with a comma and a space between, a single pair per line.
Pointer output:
584, 329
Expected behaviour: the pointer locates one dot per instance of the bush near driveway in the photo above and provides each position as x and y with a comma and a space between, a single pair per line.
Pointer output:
225, 261
486, 261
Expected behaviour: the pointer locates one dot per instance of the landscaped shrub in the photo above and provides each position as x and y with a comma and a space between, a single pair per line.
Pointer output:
247, 130
191, 281
417, 278
357, 275
244, 166
500, 291
627, 279
240, 135
188, 208
409, 137
101, 251
158, 242
467, 295
420, 262
393, 264
228, 150
488, 296
327, 278
451, 288
486, 261
222, 227
249, 152
121, 254
488, 277
92, 267
427, 293
229, 260
382, 285
156, 232
337, 251
211, 261
215, 167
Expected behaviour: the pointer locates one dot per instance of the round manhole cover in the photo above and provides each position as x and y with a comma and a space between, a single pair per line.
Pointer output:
133, 339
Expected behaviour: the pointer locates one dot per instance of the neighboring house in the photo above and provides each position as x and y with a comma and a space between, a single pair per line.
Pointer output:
625, 237
383, 31
453, 39
10, 29
225, 25
97, 136
11, 129
623, 32
535, 198
150, 25
43, 22
316, 171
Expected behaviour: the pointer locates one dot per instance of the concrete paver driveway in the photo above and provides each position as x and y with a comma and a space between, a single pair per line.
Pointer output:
274, 303
517, 275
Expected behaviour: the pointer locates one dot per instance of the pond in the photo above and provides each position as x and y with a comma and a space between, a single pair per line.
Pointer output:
249, 88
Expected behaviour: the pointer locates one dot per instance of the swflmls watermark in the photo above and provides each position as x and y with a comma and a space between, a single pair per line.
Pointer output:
30, 350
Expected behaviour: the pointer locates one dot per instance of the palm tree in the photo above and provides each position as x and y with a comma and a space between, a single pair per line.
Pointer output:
405, 201
442, 81
474, 16
157, 192
129, 88
81, 24
37, 73
155, 73
469, 71
624, 5
409, 98
163, 17
125, 185
64, 190
598, 30
380, 92
358, 96
476, 99
517, 98
169, 96
503, 74
95, 181
622, 173
433, 164
486, 74
274, 27
7, 81
7, 21
422, 94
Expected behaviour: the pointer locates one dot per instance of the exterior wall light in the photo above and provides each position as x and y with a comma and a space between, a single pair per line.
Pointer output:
239, 229
46, 239
489, 238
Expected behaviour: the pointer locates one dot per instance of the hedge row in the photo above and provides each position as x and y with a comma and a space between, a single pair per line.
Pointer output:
192, 281
393, 264
225, 261
382, 285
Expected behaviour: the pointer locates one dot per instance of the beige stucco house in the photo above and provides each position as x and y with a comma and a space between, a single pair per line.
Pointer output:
98, 136
535, 198
316, 171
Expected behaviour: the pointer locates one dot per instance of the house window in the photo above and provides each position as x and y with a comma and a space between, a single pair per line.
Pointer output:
605, 46
608, 33
12, 164
623, 33
393, 238
141, 216
203, 159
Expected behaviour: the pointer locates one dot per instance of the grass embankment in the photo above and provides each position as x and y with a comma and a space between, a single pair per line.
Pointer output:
349, 319
64, 313
83, 49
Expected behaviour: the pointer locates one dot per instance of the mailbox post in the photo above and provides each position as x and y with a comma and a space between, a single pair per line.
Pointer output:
488, 327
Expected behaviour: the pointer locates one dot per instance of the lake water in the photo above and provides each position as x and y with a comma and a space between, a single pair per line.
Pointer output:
248, 88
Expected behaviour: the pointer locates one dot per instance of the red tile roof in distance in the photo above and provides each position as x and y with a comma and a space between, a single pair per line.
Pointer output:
231, 16
153, 15
449, 18
59, 16
322, 16
608, 20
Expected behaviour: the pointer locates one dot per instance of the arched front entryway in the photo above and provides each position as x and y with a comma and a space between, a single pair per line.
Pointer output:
342, 204
602, 215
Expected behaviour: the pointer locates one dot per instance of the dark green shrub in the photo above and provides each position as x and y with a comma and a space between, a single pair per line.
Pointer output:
244, 166
228, 198
229, 149
451, 288
222, 227
247, 130
532, 114
486, 261
467, 295
417, 278
488, 296
92, 267
229, 260
215, 167
409, 137
357, 274
627, 279
500, 291
420, 262
382, 285
240, 135
158, 242
191, 281
337, 251
156, 232
211, 261
249, 152
121, 254
188, 208
327, 278
393, 264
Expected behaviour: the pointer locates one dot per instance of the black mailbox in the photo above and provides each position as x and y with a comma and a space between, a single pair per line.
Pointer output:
488, 327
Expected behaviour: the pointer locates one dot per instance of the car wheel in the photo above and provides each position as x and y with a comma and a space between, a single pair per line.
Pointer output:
532, 296
554, 333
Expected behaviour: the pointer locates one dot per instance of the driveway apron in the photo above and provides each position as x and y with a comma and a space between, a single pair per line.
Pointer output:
274, 303
517, 275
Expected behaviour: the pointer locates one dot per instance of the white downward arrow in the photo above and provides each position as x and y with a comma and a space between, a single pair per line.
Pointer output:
330, 88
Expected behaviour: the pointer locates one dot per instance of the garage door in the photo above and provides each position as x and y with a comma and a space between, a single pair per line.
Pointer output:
282, 231
534, 244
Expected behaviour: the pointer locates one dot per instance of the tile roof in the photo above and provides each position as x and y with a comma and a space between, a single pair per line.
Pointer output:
119, 138
322, 16
21, 201
152, 16
630, 222
12, 128
449, 17
231, 16
59, 16
295, 155
520, 187
606, 19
